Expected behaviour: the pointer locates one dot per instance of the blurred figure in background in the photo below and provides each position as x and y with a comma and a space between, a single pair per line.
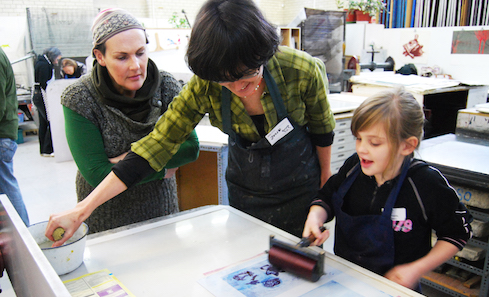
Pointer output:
43, 74
72, 69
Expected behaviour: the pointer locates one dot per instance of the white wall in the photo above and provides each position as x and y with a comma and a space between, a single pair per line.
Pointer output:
157, 12
15, 44
437, 43
281, 12
464, 67
153, 13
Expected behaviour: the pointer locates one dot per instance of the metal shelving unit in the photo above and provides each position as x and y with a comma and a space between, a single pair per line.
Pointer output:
470, 182
483, 290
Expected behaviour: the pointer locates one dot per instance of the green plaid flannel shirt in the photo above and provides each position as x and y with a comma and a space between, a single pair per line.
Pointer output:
301, 80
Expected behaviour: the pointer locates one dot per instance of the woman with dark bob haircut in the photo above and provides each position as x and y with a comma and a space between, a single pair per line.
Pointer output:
270, 100
224, 37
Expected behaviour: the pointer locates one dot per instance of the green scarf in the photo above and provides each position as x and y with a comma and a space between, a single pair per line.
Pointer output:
136, 108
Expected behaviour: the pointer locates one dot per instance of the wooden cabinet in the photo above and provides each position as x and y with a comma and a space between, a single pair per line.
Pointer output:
203, 182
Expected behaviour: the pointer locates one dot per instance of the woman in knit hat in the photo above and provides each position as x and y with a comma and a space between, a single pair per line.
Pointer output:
118, 103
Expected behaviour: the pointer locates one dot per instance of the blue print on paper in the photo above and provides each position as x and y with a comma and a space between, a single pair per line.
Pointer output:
259, 279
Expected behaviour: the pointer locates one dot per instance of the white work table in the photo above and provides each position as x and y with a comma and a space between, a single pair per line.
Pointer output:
440, 98
168, 256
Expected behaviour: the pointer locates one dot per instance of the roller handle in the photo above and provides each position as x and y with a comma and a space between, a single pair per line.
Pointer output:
306, 241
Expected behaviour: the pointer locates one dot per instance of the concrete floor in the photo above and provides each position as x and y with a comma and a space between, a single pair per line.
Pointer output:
49, 187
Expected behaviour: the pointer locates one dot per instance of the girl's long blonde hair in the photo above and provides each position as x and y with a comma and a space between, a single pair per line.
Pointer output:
397, 110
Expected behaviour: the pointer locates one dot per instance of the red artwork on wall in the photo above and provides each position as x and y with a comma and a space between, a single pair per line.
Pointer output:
470, 42
482, 36
413, 48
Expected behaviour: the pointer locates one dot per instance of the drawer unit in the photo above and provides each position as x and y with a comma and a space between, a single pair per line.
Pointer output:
344, 142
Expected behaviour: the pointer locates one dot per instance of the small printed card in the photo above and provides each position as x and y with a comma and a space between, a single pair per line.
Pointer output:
279, 131
100, 283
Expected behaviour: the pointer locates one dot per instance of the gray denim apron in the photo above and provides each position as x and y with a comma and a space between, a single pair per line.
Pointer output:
273, 183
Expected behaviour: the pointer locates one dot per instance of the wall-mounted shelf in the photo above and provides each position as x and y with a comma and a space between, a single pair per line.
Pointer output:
291, 37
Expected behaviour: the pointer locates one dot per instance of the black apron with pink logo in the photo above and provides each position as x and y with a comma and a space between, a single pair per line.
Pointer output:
366, 240
274, 183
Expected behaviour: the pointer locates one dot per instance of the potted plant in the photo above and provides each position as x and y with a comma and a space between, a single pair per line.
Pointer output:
363, 9
178, 22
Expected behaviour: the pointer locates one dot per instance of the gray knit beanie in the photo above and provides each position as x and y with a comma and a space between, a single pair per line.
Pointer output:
110, 22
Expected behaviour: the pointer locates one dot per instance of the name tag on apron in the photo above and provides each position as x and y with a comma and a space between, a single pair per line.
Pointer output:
398, 214
279, 131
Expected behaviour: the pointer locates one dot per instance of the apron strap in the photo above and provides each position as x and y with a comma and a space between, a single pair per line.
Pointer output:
346, 184
226, 112
278, 102
391, 200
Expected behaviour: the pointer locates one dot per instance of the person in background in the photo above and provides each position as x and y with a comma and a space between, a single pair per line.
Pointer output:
43, 75
116, 105
9, 125
249, 86
72, 69
387, 203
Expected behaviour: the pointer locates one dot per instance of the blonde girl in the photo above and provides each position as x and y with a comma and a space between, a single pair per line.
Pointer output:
385, 202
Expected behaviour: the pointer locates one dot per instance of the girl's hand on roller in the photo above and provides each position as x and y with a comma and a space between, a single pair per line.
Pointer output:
315, 220
320, 236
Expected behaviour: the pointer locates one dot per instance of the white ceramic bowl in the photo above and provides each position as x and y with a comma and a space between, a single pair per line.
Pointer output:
67, 257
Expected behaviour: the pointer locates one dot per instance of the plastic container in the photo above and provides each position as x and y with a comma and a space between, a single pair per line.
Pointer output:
20, 136
67, 257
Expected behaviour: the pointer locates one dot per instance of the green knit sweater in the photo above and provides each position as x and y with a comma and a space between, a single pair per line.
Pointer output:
87, 156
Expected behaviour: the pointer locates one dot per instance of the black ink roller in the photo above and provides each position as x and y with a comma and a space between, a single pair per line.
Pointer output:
298, 259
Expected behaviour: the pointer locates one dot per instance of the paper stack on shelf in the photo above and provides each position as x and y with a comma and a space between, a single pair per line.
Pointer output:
413, 83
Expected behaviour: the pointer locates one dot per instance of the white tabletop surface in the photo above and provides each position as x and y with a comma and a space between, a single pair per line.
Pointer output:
454, 151
172, 254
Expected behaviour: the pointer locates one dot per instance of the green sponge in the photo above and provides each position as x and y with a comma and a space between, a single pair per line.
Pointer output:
58, 233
